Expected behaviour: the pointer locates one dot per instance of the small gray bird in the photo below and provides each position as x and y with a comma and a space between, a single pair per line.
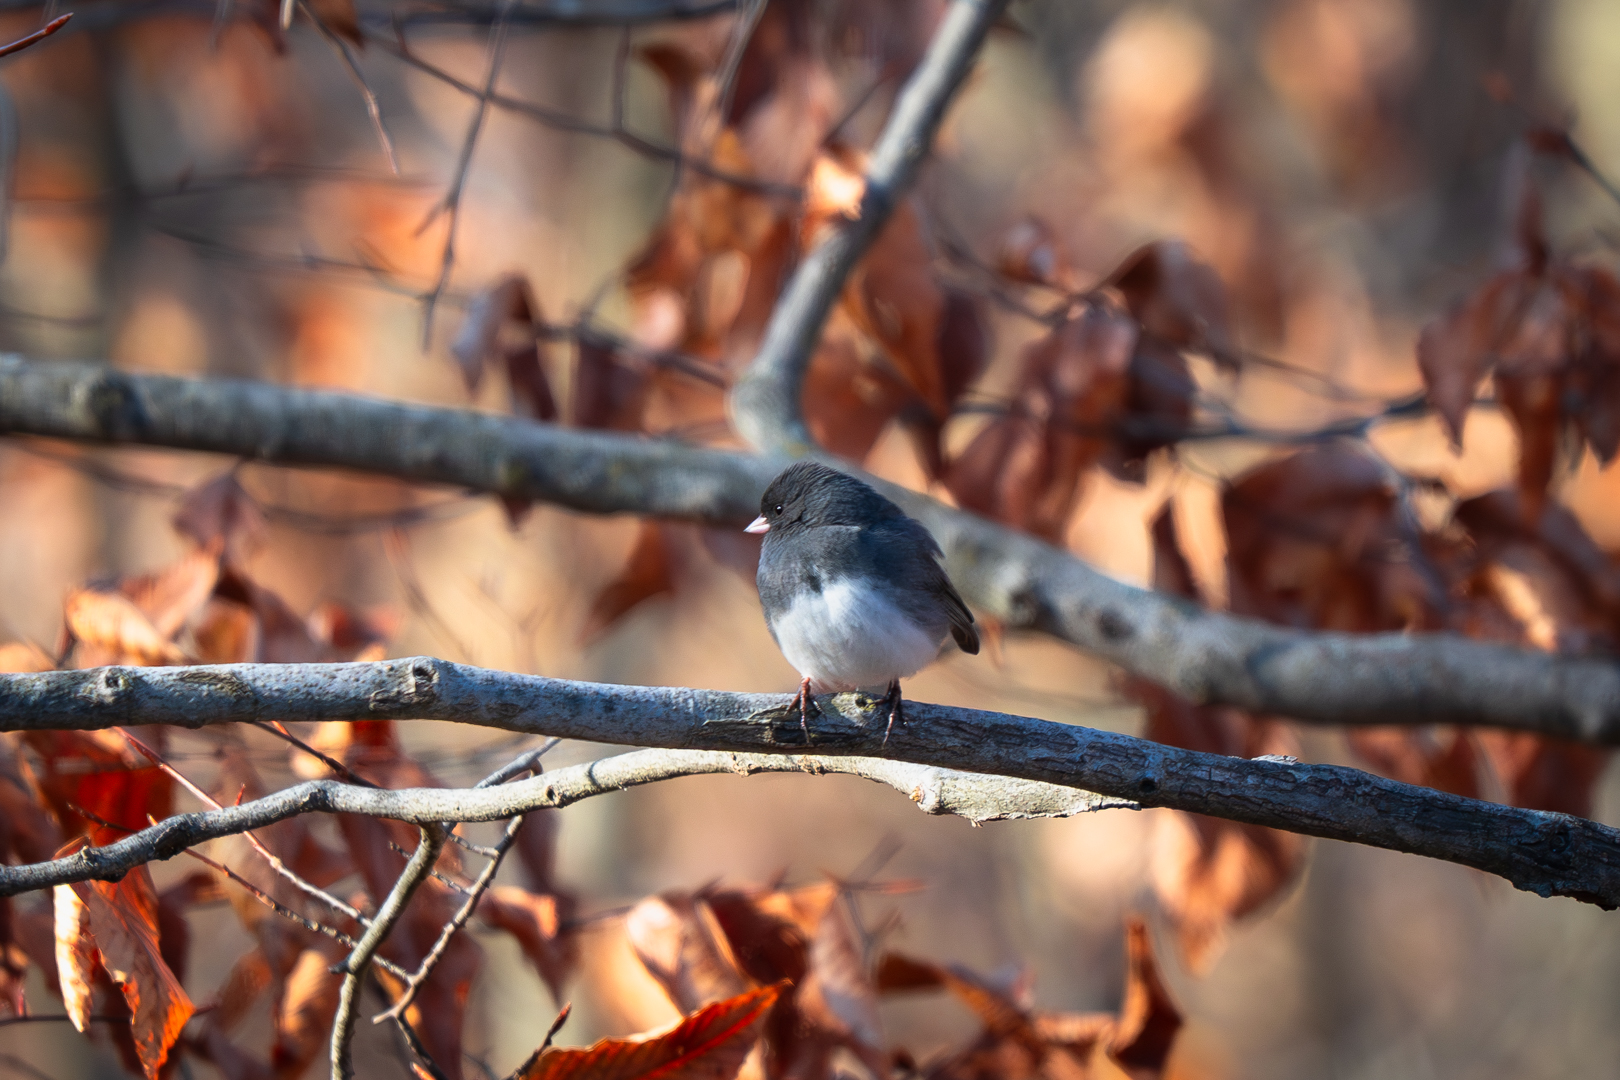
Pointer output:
852, 588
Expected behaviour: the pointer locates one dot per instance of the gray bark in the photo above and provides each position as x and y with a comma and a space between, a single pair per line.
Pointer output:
1205, 656
1550, 854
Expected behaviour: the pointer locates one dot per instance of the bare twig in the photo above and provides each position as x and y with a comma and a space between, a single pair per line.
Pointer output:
451, 928
1206, 656
766, 400
615, 131
451, 204
281, 868
352, 63
355, 964
1542, 852
37, 36
313, 925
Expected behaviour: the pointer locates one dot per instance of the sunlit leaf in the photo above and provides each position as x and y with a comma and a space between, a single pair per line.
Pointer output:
710, 1044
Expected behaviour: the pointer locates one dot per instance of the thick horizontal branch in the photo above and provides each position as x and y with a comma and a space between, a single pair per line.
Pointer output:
766, 401
1205, 656
1550, 854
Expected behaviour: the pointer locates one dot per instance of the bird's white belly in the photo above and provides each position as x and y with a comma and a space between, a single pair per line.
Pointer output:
844, 638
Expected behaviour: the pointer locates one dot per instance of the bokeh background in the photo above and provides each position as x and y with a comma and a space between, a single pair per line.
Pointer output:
186, 198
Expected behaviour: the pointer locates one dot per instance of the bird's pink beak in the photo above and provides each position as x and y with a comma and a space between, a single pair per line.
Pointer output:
758, 525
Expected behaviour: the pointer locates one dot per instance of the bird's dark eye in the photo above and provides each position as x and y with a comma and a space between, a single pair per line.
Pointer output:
778, 509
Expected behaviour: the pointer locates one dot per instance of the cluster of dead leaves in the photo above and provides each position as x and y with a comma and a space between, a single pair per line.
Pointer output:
1548, 332
776, 982
120, 950
1325, 538
1105, 388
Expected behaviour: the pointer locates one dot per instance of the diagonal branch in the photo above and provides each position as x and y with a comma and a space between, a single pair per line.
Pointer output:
359, 959
1205, 656
766, 401
1546, 853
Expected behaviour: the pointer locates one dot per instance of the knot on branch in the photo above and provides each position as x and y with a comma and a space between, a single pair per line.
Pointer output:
114, 406
413, 684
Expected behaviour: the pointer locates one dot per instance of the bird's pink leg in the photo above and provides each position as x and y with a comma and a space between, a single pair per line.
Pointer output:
892, 699
802, 700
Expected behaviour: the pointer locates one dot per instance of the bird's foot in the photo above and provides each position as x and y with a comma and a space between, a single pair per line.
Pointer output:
892, 700
805, 702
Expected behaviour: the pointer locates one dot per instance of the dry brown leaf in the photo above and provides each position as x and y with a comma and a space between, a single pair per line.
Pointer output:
1025, 468
610, 391
76, 959
838, 999
1032, 253
116, 630
123, 923
1316, 540
1177, 299
536, 921
303, 1018
1543, 773
1148, 1019
682, 945
220, 512
848, 401
710, 1044
647, 573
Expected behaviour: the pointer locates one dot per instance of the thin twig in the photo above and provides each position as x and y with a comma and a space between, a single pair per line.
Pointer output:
475, 894
313, 925
615, 132
352, 62
451, 204
767, 401
287, 872
37, 36
355, 964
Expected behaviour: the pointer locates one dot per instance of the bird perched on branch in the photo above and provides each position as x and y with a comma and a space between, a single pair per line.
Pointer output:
852, 588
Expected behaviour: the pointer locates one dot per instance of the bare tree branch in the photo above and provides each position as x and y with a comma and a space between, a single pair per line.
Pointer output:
359, 959
1205, 656
1550, 854
765, 403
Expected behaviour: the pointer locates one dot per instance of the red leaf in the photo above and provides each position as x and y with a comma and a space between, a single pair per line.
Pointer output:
710, 1044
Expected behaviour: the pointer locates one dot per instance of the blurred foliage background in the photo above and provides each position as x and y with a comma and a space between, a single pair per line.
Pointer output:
203, 197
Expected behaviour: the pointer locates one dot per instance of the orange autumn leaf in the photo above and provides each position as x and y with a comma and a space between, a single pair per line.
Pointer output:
683, 947
1019, 1041
76, 958
123, 923
120, 631
710, 1044
535, 921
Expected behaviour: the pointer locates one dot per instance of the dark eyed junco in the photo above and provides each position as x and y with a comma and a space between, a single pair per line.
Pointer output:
852, 588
